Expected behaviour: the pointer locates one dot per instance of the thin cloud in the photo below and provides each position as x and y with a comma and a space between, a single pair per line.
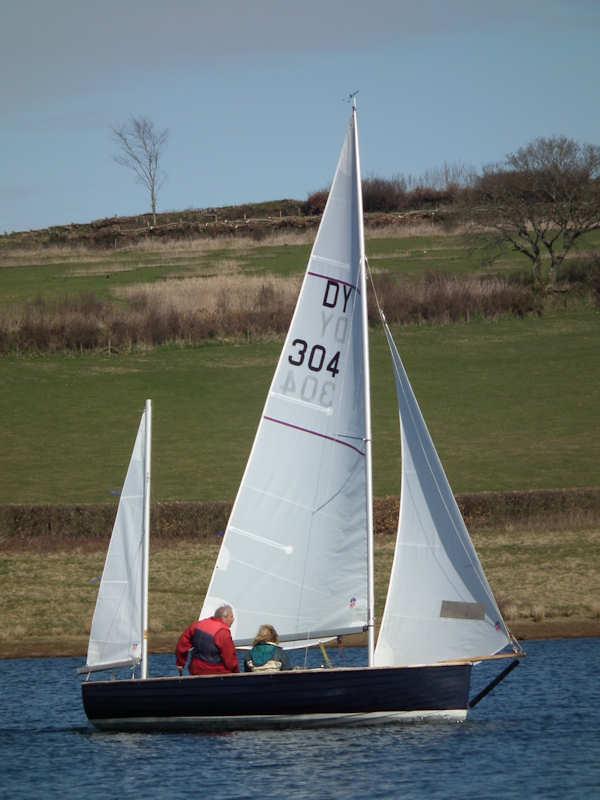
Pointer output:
76, 48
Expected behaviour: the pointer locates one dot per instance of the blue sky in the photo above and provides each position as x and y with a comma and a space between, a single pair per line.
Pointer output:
252, 91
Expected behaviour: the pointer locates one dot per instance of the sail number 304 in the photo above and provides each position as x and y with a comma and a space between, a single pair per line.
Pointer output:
316, 357
312, 389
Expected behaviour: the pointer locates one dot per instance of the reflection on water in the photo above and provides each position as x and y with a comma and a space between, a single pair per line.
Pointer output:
535, 736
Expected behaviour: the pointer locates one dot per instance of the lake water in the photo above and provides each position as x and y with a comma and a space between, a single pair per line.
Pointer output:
536, 736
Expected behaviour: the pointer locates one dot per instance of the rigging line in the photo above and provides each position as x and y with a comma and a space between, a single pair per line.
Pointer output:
458, 526
476, 565
375, 295
457, 523
432, 472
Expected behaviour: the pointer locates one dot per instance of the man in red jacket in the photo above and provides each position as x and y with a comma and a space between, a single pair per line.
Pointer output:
211, 645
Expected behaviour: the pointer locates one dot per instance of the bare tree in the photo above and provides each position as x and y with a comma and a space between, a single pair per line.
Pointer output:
541, 200
446, 176
141, 146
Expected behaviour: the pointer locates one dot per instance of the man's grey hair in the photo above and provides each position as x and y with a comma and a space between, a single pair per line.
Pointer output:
222, 611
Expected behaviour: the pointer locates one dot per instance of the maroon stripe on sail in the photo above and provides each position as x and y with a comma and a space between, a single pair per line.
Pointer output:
333, 280
314, 433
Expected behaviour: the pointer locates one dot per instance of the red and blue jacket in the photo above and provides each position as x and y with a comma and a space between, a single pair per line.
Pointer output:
211, 646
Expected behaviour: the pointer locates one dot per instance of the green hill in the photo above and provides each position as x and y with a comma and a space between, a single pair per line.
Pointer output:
511, 394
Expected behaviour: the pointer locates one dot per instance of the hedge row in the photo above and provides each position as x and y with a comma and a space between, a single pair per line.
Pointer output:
557, 509
90, 525
88, 322
52, 527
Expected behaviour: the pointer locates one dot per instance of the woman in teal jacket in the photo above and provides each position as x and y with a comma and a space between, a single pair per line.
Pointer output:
266, 654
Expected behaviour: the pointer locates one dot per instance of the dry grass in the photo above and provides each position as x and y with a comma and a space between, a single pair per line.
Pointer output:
542, 575
415, 229
594, 610
199, 246
215, 295
171, 249
193, 310
54, 594
42, 256
442, 299
536, 576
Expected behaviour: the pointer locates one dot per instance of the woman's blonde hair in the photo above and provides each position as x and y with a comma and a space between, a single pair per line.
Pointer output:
266, 633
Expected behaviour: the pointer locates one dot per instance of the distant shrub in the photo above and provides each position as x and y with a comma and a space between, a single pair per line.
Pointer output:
51, 527
582, 271
315, 203
440, 298
427, 196
198, 309
385, 195
81, 331
381, 195
519, 277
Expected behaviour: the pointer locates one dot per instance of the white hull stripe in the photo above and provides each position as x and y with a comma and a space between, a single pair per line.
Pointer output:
279, 720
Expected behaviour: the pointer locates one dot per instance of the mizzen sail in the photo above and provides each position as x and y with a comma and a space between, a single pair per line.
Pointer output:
116, 637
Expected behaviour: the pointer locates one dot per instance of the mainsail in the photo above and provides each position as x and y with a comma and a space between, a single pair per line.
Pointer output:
294, 553
439, 604
117, 633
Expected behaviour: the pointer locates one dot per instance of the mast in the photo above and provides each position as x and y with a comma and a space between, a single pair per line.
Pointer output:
146, 535
367, 399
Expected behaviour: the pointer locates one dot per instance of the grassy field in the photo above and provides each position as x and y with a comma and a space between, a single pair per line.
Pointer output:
48, 599
55, 272
511, 405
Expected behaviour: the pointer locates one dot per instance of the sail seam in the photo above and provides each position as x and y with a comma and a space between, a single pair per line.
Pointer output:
336, 280
314, 433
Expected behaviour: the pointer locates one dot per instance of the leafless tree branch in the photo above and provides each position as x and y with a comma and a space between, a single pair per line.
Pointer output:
141, 147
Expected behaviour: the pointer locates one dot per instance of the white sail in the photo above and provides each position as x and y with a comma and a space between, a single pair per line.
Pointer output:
294, 554
439, 604
117, 632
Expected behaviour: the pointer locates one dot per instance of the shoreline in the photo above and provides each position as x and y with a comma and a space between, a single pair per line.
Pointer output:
73, 647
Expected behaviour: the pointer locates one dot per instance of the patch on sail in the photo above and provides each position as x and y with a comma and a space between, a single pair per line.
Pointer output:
452, 609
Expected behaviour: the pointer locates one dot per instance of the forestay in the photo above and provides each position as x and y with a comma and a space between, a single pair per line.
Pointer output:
117, 627
439, 604
295, 548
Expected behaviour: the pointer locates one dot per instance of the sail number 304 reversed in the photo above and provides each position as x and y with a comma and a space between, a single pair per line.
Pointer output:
321, 360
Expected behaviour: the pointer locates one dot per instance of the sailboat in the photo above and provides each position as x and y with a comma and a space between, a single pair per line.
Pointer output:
298, 549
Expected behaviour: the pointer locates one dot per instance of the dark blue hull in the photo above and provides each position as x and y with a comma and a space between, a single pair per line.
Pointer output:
284, 699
